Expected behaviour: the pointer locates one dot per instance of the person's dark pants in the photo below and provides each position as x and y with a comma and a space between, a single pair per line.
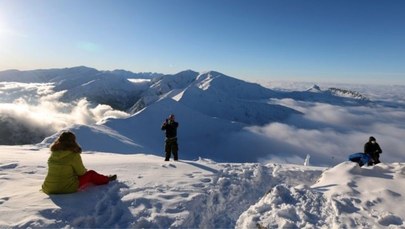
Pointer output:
171, 147
375, 158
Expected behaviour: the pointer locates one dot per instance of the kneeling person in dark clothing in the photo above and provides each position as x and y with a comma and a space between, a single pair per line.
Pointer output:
373, 150
171, 146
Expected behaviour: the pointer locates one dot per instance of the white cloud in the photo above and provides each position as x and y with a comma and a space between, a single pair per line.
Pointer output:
102, 112
330, 133
36, 107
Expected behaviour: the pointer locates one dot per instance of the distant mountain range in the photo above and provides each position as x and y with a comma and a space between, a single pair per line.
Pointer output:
100, 87
119, 90
212, 108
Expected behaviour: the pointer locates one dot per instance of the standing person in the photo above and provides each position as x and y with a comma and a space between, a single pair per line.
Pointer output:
66, 172
171, 146
373, 150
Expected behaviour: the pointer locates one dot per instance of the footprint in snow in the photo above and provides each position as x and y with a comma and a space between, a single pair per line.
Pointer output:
168, 165
198, 185
4, 199
184, 194
8, 166
168, 196
389, 220
205, 180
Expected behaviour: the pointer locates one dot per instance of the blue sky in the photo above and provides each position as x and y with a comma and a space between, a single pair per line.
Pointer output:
306, 40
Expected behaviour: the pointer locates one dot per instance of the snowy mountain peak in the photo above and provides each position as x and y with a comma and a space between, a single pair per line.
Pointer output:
216, 95
131, 75
216, 75
187, 73
80, 69
315, 88
212, 74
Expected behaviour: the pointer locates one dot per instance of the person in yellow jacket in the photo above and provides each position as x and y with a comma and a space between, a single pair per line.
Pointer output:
66, 172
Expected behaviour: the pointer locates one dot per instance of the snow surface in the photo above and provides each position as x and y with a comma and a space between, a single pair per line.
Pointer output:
151, 193
345, 196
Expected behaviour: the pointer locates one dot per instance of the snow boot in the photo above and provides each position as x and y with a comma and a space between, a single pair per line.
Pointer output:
112, 177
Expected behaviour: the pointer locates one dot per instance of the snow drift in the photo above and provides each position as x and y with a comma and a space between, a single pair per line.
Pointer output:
345, 196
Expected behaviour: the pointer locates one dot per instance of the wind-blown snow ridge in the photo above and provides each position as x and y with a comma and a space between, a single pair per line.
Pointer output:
347, 93
333, 95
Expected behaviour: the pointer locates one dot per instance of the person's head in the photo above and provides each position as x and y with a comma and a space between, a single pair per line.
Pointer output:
372, 139
171, 117
66, 141
67, 137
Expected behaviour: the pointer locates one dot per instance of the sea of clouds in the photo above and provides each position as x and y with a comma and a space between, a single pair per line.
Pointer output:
330, 133
29, 112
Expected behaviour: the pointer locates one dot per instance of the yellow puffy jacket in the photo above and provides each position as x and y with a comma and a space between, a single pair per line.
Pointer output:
64, 167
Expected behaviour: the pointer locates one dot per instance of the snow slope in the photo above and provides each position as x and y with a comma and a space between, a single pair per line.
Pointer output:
217, 95
151, 193
117, 92
199, 135
224, 97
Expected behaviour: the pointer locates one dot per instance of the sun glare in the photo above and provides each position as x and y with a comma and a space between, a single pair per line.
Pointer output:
3, 29
6, 33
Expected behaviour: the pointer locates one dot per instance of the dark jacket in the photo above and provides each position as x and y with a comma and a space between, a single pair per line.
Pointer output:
170, 128
370, 148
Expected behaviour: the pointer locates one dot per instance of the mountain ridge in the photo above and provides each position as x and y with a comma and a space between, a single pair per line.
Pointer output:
214, 111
